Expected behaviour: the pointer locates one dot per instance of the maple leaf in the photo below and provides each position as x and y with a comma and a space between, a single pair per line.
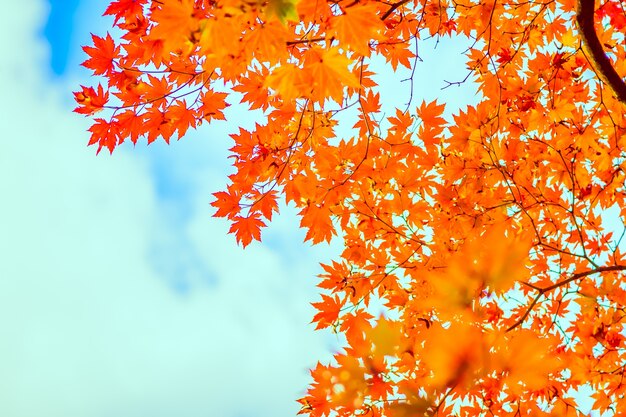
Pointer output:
357, 27
125, 9
105, 134
246, 229
176, 22
266, 204
157, 90
430, 113
355, 326
330, 74
288, 80
396, 54
317, 221
213, 104
328, 311
268, 42
90, 101
154, 120
131, 124
254, 91
102, 55
227, 204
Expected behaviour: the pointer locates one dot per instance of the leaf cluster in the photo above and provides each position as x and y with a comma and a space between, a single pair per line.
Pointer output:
485, 233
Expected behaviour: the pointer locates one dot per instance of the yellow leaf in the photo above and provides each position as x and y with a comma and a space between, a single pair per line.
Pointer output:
569, 39
283, 10
387, 337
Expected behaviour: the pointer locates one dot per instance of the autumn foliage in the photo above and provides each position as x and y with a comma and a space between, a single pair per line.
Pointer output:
492, 235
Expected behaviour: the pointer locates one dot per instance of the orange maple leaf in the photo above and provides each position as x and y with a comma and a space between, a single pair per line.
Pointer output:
213, 105
176, 22
318, 223
266, 204
431, 113
288, 80
246, 228
329, 74
328, 311
357, 27
227, 204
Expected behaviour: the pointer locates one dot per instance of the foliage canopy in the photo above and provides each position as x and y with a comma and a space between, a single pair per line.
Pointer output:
492, 236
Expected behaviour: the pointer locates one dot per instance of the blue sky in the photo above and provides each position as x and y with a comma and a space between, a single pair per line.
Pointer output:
58, 31
120, 295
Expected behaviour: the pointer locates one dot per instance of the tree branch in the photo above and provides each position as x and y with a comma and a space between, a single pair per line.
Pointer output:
393, 8
542, 291
595, 53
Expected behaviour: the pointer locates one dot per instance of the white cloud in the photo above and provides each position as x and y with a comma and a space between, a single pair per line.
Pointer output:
88, 328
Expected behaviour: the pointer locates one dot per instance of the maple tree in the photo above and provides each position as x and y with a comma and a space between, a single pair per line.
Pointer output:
491, 236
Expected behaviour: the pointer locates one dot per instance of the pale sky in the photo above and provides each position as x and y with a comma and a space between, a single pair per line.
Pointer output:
120, 295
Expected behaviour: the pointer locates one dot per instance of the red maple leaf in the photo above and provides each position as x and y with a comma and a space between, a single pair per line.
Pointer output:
101, 55
89, 100
125, 9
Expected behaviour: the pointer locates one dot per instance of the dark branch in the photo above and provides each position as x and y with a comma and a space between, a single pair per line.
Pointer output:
393, 8
596, 56
542, 291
